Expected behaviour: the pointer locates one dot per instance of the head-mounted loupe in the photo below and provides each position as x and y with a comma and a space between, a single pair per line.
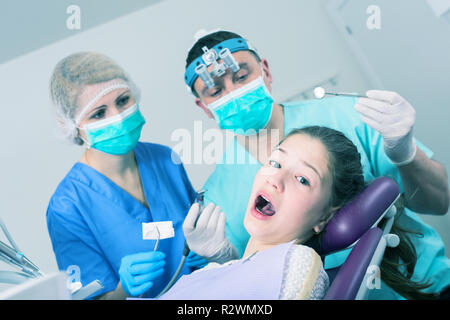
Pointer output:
222, 51
219, 69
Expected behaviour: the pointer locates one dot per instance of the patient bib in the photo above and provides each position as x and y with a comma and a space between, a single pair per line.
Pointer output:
258, 277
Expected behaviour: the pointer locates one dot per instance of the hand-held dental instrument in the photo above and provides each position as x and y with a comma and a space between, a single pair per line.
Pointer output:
13, 256
16, 258
157, 239
200, 200
320, 92
186, 250
156, 245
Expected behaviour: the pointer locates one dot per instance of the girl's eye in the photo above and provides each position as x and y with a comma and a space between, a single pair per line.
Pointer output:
303, 181
123, 100
99, 114
274, 164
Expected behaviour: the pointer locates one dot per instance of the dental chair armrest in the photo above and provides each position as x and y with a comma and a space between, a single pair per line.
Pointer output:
348, 280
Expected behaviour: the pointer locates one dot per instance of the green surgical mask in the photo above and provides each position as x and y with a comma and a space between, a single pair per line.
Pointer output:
246, 110
118, 134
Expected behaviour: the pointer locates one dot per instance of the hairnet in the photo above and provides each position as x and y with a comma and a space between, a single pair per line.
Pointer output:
81, 79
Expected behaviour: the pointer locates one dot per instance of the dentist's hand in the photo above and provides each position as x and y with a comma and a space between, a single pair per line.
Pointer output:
138, 270
393, 117
207, 236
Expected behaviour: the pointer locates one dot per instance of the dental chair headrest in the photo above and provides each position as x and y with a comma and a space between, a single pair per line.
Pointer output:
358, 216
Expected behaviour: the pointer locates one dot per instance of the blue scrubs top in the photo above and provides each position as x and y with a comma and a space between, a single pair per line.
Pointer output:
230, 185
93, 222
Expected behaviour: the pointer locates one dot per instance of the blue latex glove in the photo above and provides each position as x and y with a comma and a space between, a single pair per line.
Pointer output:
138, 270
195, 261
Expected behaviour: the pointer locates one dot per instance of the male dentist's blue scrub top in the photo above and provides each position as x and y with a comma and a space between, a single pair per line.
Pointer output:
230, 185
93, 223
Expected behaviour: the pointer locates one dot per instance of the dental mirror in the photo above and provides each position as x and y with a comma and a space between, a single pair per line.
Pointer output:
320, 92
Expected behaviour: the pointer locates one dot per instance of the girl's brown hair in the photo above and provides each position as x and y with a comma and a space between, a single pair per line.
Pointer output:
398, 264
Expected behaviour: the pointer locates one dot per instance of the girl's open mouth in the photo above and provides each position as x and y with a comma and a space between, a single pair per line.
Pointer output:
264, 206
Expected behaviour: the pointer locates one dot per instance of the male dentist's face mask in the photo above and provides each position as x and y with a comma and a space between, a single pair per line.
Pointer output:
246, 110
118, 134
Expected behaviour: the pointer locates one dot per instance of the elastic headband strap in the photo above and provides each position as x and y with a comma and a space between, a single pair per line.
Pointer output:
113, 86
235, 44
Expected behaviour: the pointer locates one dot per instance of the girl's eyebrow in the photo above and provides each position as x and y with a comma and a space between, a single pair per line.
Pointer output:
301, 160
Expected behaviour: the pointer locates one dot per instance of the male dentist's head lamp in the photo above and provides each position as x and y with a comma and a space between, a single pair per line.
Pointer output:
223, 51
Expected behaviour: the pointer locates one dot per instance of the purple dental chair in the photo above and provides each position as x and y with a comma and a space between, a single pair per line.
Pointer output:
357, 225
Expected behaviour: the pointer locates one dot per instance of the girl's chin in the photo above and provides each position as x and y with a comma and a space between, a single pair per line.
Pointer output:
264, 231
257, 228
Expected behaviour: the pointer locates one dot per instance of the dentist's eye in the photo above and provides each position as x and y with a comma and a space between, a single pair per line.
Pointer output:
123, 101
239, 77
243, 77
215, 92
274, 164
302, 180
99, 114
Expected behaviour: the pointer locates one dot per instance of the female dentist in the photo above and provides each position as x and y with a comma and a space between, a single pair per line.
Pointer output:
95, 216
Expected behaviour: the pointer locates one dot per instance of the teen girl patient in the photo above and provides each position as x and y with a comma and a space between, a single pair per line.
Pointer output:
312, 173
